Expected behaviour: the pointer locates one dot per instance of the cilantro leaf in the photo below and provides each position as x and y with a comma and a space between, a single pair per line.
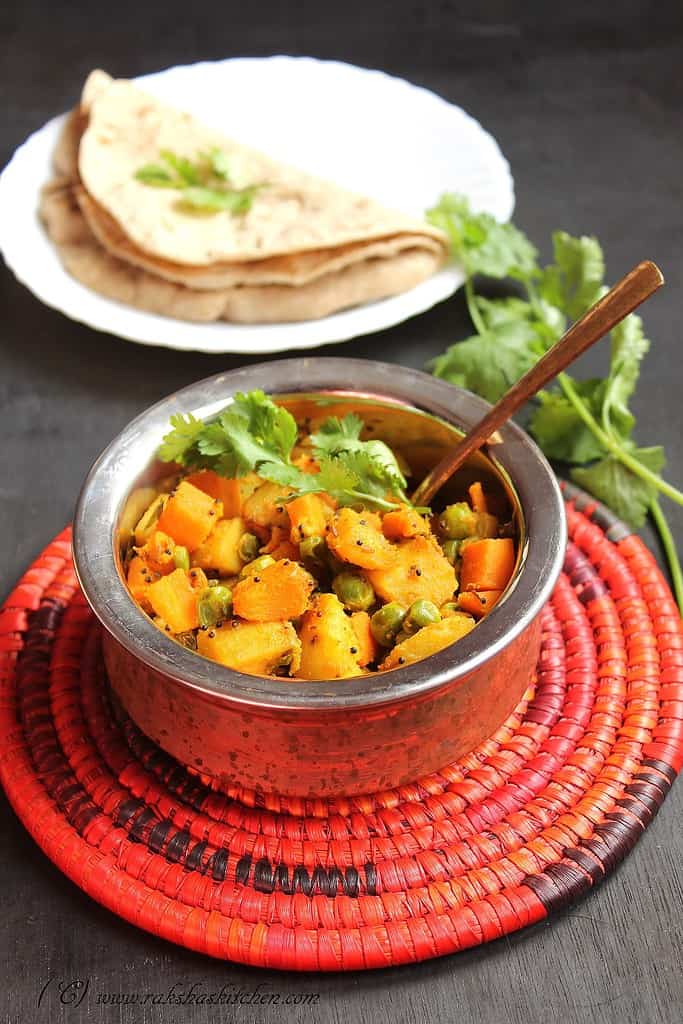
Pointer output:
352, 479
227, 445
287, 475
576, 279
333, 432
236, 201
213, 441
495, 312
376, 470
336, 478
373, 461
186, 171
251, 432
157, 175
504, 252
219, 163
452, 215
559, 429
545, 322
270, 423
629, 346
383, 465
490, 363
181, 440
551, 322
481, 243
627, 495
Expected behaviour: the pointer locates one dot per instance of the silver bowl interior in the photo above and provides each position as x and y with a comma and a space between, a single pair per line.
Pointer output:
516, 467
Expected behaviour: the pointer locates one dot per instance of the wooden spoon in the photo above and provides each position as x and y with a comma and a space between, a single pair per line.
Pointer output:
626, 295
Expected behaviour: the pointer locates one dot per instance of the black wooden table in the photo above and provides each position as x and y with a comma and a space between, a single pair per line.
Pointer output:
586, 105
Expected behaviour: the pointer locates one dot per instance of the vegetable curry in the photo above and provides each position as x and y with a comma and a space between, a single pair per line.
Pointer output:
279, 552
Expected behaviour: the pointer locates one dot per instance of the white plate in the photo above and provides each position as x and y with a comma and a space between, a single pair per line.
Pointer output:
363, 129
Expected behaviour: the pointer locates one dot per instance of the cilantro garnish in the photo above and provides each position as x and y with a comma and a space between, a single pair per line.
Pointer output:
586, 423
373, 461
204, 184
253, 434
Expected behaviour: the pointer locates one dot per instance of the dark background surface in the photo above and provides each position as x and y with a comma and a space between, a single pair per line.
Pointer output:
586, 104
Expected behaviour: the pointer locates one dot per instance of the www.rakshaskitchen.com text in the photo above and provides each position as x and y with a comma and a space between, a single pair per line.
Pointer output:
73, 993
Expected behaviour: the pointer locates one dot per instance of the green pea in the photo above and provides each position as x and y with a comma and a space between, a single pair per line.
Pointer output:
451, 549
208, 616
256, 566
420, 614
214, 605
181, 558
458, 521
387, 622
248, 547
313, 551
354, 591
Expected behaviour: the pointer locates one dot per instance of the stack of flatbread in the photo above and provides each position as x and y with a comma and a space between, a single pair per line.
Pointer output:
304, 249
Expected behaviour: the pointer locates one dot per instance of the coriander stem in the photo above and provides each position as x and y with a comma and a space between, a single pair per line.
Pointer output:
613, 447
670, 551
475, 315
533, 297
646, 474
567, 385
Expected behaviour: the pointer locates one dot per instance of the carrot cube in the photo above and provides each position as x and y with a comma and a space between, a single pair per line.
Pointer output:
368, 647
478, 603
487, 564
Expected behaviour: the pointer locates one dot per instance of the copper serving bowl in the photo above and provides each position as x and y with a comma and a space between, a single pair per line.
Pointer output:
340, 736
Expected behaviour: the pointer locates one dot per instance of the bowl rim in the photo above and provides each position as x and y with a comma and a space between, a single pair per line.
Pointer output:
108, 484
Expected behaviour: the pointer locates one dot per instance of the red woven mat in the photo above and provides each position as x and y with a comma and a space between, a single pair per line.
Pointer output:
520, 827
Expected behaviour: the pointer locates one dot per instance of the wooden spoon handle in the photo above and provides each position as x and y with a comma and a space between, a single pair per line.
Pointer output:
626, 295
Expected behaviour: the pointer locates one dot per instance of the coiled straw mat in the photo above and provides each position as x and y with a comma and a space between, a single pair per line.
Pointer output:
520, 827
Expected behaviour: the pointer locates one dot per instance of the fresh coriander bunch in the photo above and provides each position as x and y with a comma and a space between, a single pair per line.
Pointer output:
253, 434
586, 423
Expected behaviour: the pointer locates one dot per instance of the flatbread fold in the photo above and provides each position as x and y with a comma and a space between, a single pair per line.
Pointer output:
305, 249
